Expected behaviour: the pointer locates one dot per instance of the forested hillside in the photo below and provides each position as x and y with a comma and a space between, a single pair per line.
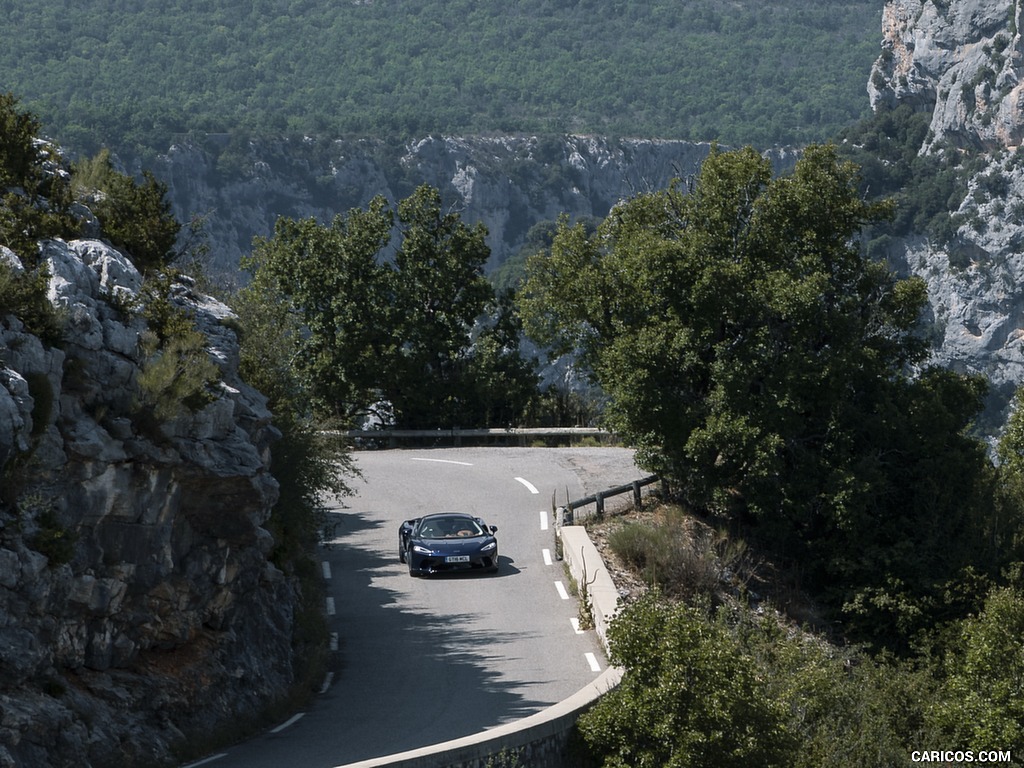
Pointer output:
119, 72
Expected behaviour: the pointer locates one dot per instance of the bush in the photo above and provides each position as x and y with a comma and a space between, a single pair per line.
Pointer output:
136, 217
675, 554
24, 295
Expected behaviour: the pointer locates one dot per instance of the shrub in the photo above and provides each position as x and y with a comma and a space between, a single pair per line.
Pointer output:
135, 216
24, 295
673, 553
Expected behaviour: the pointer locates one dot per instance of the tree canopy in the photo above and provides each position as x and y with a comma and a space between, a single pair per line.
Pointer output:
395, 324
759, 359
114, 73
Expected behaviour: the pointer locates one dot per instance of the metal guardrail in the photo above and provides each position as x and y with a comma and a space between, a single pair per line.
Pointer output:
568, 512
456, 436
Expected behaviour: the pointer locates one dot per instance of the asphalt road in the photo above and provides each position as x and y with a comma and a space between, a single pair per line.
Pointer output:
423, 661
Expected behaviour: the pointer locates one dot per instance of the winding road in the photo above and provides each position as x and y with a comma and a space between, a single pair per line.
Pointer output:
428, 660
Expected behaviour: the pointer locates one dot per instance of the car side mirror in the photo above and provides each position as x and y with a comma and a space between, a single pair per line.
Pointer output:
494, 528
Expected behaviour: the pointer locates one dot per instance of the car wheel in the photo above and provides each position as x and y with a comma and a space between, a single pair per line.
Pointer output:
401, 554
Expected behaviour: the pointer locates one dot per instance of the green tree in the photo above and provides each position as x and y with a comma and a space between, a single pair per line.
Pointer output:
34, 194
341, 295
690, 696
310, 463
135, 216
394, 322
440, 293
982, 706
756, 357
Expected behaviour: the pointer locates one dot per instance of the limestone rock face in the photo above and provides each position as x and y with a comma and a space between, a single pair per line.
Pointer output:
137, 601
959, 59
508, 183
962, 61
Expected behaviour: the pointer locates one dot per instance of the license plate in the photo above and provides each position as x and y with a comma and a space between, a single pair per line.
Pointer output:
457, 559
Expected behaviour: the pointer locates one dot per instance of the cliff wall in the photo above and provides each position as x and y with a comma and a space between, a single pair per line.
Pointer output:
509, 183
962, 61
137, 601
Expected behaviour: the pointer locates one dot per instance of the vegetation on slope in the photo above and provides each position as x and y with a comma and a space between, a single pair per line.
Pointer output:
114, 73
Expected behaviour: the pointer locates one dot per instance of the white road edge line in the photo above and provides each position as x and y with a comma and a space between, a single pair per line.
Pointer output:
543, 519
445, 461
288, 723
529, 486
209, 759
592, 661
547, 556
561, 590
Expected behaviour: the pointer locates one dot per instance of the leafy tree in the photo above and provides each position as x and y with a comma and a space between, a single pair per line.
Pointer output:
440, 292
393, 323
340, 295
981, 705
34, 194
756, 357
135, 216
690, 696
310, 464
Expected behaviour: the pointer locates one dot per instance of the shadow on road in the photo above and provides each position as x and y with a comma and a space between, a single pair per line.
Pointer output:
433, 675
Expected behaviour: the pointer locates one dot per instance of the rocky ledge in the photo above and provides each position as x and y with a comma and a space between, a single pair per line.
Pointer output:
138, 604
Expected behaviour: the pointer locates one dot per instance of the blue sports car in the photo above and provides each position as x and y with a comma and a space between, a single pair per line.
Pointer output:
447, 541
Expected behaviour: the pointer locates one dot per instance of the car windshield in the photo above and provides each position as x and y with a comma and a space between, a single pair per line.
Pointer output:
450, 528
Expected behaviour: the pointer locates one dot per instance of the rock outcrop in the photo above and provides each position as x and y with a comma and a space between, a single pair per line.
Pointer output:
962, 62
508, 183
137, 600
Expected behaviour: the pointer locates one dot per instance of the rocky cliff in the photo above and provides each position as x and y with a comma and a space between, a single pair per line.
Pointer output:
508, 183
137, 602
962, 61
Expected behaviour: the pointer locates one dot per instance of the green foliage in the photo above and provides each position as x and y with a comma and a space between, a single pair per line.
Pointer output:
924, 187
396, 329
24, 295
731, 688
177, 374
758, 359
677, 557
308, 461
136, 217
690, 696
749, 72
981, 705
34, 198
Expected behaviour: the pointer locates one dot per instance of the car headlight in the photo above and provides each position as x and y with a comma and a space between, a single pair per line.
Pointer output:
488, 547
421, 550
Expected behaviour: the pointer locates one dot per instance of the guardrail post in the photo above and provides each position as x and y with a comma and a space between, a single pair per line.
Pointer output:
599, 497
637, 501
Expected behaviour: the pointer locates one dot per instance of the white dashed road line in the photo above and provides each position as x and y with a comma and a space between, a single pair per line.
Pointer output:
561, 590
547, 556
592, 661
330, 606
576, 625
529, 486
543, 520
206, 761
326, 568
288, 723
